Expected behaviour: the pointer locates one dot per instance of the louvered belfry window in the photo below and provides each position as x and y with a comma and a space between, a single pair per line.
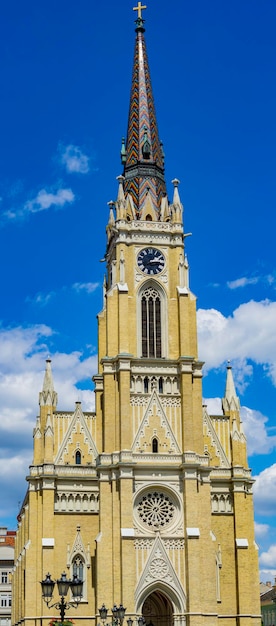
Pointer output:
151, 323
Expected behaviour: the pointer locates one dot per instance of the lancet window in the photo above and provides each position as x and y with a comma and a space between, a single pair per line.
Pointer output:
151, 323
78, 458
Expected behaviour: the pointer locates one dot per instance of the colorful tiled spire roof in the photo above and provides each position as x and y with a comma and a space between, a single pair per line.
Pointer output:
143, 156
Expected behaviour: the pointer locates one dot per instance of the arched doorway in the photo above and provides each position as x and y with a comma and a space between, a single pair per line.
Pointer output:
157, 610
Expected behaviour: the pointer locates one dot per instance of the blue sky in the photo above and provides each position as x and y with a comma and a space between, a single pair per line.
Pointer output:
65, 81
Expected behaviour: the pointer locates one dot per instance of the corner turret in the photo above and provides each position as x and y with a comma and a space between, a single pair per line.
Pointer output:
43, 431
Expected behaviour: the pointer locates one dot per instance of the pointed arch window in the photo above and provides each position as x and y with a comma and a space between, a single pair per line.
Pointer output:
78, 458
155, 445
78, 567
151, 323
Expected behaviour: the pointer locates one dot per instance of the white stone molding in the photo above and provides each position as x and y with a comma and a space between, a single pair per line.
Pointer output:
242, 543
167, 385
171, 401
193, 533
155, 408
157, 459
174, 544
74, 499
78, 549
79, 552
48, 542
78, 417
139, 400
157, 509
127, 532
222, 503
159, 573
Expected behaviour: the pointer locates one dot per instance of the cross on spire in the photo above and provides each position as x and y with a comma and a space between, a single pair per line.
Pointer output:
139, 8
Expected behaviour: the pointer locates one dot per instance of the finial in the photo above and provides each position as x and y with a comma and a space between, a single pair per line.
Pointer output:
139, 8
123, 151
139, 20
230, 400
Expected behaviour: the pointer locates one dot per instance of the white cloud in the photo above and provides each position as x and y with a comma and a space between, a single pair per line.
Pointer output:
242, 282
265, 491
267, 575
213, 405
88, 287
22, 363
41, 298
45, 199
74, 160
261, 530
258, 441
268, 559
247, 334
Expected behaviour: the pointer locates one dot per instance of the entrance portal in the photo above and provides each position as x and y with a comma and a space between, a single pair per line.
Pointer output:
157, 610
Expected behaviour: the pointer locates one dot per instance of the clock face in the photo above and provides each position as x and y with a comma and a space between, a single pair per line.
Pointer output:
151, 261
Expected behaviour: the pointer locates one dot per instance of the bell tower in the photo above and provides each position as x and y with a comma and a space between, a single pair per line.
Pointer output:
156, 464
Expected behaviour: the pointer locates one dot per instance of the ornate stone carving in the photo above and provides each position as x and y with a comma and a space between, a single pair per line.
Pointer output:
156, 510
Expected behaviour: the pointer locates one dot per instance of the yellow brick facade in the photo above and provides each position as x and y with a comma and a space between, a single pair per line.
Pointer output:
149, 495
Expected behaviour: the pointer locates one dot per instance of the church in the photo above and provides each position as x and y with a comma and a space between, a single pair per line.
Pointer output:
148, 500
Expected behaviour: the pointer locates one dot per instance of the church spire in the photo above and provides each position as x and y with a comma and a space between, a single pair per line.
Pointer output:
143, 156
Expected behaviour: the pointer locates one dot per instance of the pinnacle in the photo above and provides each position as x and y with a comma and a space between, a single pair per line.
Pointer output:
230, 397
48, 383
48, 396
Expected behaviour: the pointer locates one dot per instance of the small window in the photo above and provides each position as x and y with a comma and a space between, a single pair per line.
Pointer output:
4, 577
155, 445
160, 385
78, 458
78, 567
146, 385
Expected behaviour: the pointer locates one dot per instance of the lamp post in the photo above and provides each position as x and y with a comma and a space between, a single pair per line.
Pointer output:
118, 614
63, 584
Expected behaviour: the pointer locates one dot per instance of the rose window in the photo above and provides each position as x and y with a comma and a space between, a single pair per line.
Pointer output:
156, 510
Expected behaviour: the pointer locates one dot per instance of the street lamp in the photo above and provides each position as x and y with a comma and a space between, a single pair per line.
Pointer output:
63, 584
118, 614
